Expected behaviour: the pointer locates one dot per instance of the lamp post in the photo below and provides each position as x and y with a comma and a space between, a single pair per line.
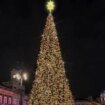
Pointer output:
20, 77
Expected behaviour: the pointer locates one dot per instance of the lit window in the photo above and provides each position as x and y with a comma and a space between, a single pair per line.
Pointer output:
14, 102
25, 103
0, 99
9, 101
5, 99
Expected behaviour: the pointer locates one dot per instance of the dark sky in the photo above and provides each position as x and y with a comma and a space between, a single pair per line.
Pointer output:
81, 30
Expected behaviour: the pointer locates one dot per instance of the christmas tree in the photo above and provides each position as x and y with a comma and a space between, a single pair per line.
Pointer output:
50, 86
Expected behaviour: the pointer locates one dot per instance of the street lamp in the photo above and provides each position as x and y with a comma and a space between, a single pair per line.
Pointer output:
20, 76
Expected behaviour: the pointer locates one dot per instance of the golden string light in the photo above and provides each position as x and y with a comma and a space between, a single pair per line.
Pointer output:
50, 86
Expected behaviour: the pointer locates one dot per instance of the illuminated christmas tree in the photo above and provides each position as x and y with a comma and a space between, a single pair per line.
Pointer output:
50, 86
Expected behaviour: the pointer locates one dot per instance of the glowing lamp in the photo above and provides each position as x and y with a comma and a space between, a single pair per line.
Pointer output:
18, 76
25, 76
14, 76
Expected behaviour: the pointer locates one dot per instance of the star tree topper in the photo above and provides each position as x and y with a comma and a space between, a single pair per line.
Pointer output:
50, 6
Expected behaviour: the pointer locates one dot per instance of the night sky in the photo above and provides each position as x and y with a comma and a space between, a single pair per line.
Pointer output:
81, 31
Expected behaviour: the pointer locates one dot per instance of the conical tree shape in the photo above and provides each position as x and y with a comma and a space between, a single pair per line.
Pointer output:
50, 85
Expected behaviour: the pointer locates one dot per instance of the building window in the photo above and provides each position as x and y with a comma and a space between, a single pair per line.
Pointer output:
25, 102
14, 102
5, 100
9, 101
0, 99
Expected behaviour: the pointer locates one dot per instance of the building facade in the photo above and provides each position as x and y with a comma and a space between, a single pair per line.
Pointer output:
102, 97
82, 102
86, 102
9, 97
